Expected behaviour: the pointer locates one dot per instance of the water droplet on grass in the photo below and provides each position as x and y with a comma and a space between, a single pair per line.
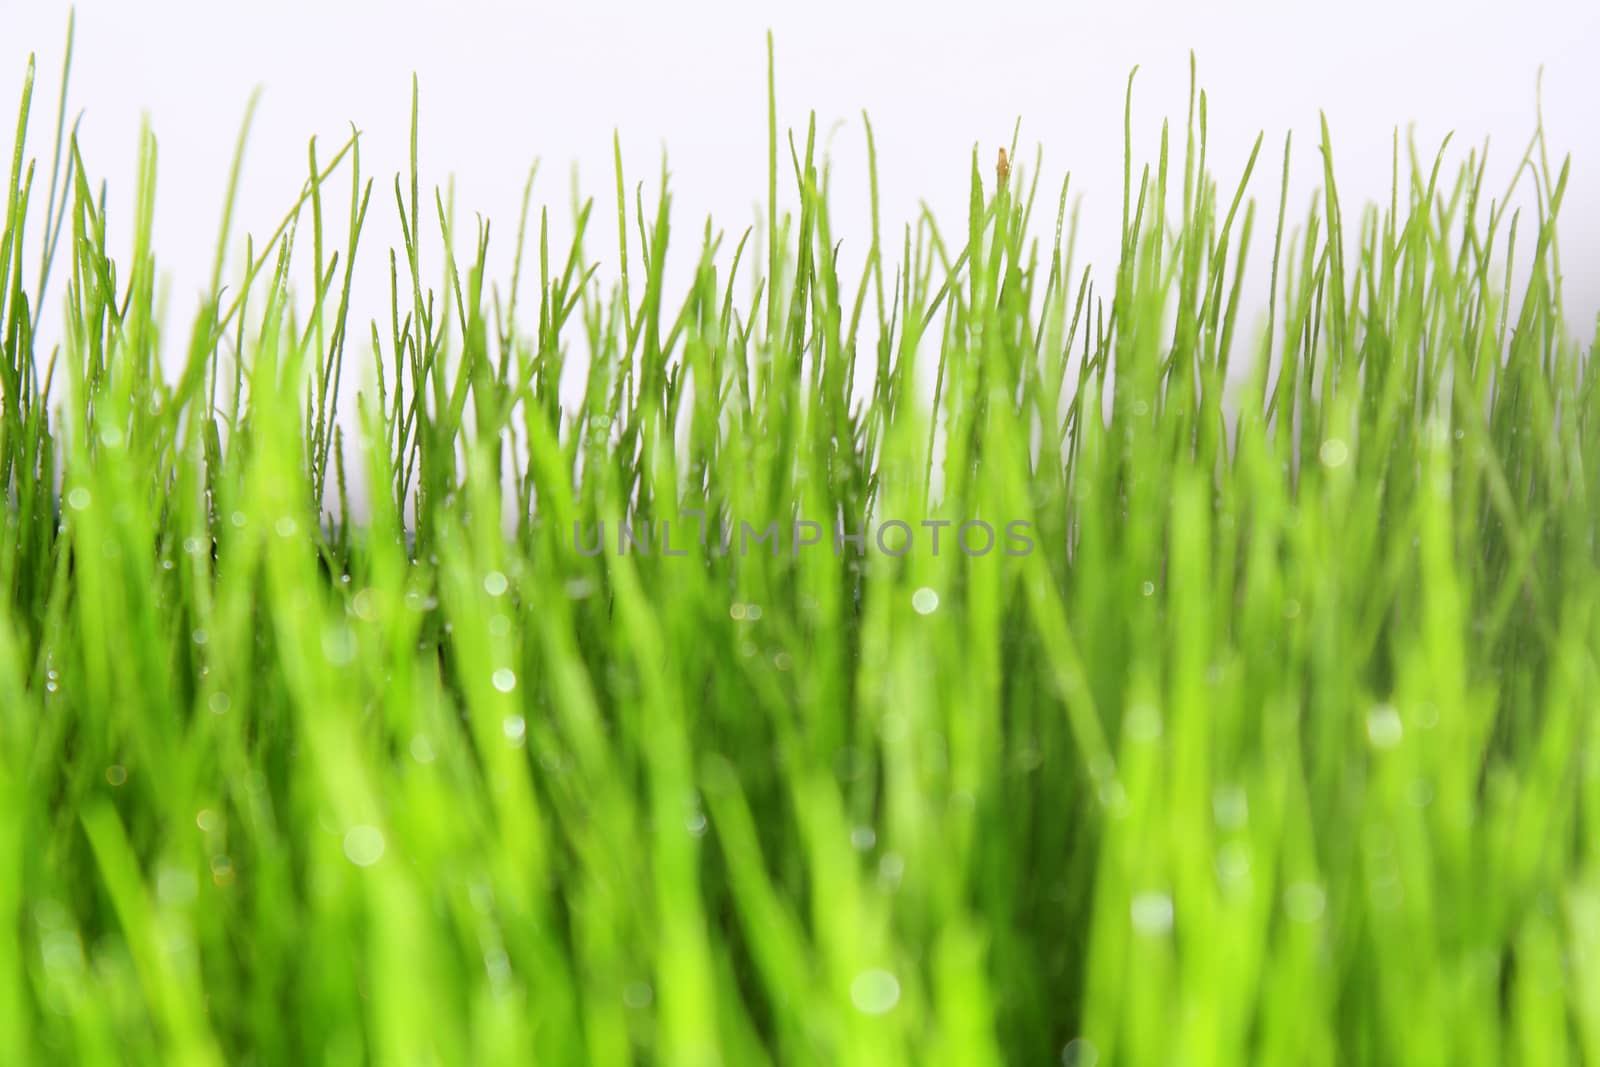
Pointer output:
363, 845
176, 886
116, 774
515, 727
1333, 453
1143, 724
925, 601
505, 680
1384, 728
1113, 798
339, 645
495, 584
1079, 1052
365, 605
1233, 865
1230, 806
862, 838
1152, 913
79, 499
62, 952
1305, 901
875, 992
498, 966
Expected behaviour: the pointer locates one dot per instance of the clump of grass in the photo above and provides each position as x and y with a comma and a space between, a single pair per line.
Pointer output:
1278, 747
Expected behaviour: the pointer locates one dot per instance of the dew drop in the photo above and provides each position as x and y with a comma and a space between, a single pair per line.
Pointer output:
1113, 797
1143, 724
925, 601
1152, 913
176, 886
339, 645
1233, 865
515, 727
1079, 1052
505, 679
1384, 728
875, 992
365, 605
1305, 901
363, 845
1230, 806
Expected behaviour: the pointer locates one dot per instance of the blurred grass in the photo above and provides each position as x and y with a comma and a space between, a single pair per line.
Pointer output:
321, 741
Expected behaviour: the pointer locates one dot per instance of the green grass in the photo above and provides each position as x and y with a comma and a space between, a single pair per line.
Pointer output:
1279, 747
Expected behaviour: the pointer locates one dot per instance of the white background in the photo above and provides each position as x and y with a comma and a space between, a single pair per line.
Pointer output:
504, 83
